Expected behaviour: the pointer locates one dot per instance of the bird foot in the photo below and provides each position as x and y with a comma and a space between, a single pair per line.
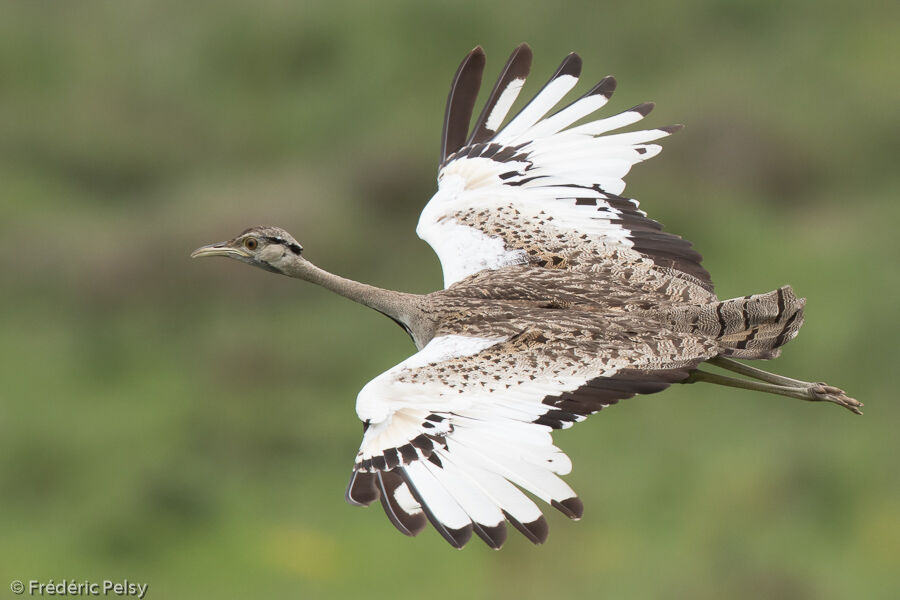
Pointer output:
821, 392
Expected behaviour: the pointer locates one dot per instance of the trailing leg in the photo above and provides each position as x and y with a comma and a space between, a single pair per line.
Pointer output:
754, 372
775, 384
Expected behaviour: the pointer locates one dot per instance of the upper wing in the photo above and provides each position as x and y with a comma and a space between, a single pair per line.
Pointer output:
453, 430
539, 190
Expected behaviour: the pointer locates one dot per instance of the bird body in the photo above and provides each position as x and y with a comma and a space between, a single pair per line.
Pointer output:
561, 298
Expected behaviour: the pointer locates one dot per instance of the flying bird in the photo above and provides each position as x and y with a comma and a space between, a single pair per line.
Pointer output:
561, 297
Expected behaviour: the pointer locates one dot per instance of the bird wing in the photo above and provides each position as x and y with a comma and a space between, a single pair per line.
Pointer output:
453, 432
539, 190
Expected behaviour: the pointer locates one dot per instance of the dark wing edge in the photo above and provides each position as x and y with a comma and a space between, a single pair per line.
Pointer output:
461, 102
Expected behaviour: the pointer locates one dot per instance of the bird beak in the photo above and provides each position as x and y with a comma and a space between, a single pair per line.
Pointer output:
220, 249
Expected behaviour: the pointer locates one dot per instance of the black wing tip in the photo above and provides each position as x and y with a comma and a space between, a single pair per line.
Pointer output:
456, 537
571, 507
524, 54
670, 129
644, 108
362, 489
409, 524
606, 87
536, 531
523, 47
475, 58
494, 536
476, 53
571, 65
520, 60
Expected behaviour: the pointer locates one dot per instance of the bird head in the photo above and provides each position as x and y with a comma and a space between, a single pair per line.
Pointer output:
264, 247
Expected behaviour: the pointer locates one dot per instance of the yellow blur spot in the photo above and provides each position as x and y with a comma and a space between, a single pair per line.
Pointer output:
297, 551
879, 534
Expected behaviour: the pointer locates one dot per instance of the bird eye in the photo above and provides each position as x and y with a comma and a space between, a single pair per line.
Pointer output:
251, 243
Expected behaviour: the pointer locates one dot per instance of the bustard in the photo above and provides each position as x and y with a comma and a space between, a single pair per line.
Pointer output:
561, 298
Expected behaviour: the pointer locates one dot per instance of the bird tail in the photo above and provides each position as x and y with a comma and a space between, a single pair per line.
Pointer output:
753, 327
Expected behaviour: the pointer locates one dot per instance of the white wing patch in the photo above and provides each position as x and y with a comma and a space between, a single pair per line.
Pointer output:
538, 165
462, 455
469, 250
477, 184
464, 250
504, 103
552, 93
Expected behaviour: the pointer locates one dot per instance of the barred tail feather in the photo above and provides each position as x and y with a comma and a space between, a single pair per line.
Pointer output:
753, 327
757, 326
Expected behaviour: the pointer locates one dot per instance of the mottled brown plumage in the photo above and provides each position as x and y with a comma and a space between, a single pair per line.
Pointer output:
561, 298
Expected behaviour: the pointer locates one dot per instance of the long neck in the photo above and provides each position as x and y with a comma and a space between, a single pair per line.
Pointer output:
399, 306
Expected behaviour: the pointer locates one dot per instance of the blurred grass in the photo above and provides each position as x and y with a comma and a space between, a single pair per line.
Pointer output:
192, 425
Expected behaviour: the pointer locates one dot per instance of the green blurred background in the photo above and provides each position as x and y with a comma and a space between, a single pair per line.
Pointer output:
192, 425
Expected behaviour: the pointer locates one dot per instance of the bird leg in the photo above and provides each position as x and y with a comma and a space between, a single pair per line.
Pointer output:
738, 367
774, 384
